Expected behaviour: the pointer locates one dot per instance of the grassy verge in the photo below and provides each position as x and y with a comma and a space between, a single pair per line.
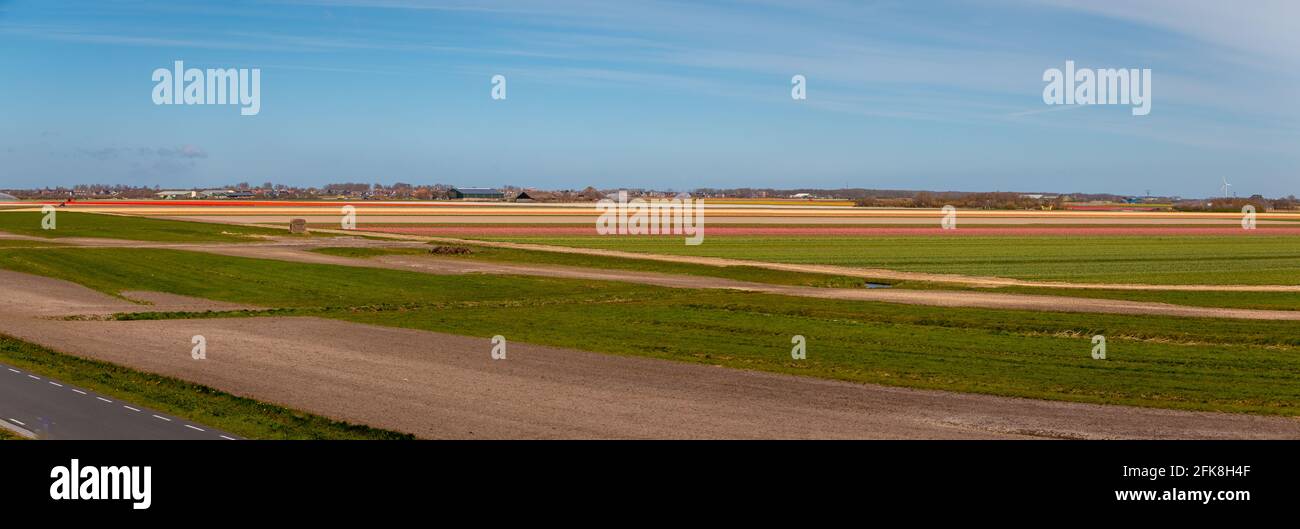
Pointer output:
204, 405
1197, 364
269, 283
74, 224
10, 243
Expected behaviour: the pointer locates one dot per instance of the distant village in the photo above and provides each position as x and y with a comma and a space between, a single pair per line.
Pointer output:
848, 196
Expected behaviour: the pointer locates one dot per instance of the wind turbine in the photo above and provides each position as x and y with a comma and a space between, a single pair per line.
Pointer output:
1224, 189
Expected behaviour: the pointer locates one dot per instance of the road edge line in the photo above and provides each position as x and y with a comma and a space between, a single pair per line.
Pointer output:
23, 432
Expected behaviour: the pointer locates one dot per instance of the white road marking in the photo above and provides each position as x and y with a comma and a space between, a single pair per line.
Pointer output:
16, 429
53, 383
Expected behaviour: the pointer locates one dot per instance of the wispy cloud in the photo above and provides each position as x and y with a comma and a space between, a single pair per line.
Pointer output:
1265, 27
182, 151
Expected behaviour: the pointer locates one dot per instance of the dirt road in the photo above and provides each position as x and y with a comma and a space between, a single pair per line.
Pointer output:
445, 386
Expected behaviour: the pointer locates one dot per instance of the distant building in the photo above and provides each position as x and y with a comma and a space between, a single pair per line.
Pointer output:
6, 197
480, 193
534, 196
170, 195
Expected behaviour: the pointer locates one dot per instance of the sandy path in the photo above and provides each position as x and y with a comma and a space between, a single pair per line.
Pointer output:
445, 386
30, 295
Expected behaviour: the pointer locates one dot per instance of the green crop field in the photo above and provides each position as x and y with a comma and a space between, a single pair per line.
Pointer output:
1199, 364
11, 243
73, 224
510, 255
1223, 299
1245, 259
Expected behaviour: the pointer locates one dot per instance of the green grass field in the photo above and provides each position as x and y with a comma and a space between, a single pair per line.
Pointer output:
1239, 300
1246, 259
11, 243
73, 224
241, 416
1200, 364
508, 255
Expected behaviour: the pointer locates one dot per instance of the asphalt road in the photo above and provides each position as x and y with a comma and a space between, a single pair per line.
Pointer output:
50, 409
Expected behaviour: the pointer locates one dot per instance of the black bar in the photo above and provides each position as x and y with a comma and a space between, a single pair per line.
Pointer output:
327, 479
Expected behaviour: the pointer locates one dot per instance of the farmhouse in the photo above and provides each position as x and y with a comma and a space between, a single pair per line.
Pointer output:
482, 193
6, 197
215, 193
534, 196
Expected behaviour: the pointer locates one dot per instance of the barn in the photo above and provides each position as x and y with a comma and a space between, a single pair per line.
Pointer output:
479, 193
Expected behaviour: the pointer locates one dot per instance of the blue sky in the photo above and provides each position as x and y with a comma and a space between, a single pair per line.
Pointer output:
668, 95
